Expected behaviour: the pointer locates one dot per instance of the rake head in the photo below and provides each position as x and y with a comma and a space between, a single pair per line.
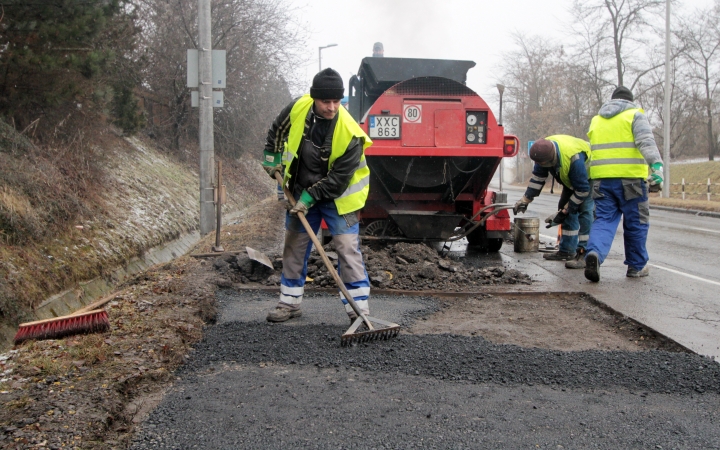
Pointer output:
387, 331
90, 322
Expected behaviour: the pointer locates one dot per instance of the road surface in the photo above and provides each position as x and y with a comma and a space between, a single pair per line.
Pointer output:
680, 297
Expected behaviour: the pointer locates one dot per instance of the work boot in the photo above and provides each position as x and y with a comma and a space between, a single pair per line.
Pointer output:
592, 267
579, 261
559, 256
633, 273
281, 314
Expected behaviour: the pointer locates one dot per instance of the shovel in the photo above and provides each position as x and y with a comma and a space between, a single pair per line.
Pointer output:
385, 330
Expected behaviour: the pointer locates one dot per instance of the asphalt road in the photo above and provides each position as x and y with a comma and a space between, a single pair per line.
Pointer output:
679, 298
250, 384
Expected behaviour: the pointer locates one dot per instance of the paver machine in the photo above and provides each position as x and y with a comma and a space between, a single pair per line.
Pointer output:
436, 146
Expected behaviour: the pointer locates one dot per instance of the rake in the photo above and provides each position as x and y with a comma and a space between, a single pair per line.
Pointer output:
385, 330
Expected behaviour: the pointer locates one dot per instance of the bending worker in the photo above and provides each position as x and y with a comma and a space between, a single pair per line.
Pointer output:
323, 166
565, 158
622, 147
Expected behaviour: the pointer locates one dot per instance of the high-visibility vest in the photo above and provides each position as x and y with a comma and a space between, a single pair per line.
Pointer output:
346, 128
570, 148
613, 150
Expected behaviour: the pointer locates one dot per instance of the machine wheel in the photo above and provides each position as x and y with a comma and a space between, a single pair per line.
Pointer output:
494, 245
479, 239
382, 228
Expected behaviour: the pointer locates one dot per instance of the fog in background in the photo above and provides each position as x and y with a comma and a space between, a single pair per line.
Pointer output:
475, 30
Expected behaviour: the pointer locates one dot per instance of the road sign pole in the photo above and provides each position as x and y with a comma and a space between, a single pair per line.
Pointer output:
205, 94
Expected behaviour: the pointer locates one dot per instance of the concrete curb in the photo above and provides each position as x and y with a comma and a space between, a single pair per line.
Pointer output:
694, 212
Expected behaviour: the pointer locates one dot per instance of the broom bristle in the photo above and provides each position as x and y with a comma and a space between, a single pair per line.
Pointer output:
91, 322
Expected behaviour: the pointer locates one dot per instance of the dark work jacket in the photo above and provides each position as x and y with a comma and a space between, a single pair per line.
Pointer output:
309, 171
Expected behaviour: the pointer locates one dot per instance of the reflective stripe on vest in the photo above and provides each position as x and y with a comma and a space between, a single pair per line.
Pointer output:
613, 150
346, 128
569, 148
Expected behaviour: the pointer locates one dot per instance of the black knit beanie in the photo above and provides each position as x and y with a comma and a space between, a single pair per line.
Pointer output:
622, 93
542, 152
327, 85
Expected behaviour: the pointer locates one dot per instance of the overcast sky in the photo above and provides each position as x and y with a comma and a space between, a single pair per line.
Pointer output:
476, 30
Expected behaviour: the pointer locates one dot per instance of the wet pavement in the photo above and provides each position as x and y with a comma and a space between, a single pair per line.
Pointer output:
679, 299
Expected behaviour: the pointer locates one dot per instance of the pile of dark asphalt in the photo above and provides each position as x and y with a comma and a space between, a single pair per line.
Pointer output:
260, 385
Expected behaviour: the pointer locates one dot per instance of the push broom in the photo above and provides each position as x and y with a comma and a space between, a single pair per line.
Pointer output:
386, 330
88, 319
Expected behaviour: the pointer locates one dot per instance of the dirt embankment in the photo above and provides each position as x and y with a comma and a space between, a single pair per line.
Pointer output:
144, 198
90, 391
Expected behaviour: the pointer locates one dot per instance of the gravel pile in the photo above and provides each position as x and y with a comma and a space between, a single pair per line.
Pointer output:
251, 384
393, 266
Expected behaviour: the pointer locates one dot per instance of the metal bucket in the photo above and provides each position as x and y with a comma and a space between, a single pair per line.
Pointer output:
526, 234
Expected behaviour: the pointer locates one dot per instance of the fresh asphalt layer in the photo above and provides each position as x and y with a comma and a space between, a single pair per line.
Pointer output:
251, 384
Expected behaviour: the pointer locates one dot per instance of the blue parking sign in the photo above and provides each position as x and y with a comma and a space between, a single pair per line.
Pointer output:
530, 143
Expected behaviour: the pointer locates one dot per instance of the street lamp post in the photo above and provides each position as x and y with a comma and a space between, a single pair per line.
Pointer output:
666, 107
320, 49
501, 89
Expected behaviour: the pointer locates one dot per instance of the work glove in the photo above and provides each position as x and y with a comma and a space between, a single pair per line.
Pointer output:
656, 174
305, 202
521, 205
556, 219
272, 162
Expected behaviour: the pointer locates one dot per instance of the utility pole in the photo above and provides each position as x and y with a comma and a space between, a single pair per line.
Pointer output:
666, 106
205, 99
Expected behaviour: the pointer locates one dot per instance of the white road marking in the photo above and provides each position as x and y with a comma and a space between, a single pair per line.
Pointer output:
694, 277
704, 229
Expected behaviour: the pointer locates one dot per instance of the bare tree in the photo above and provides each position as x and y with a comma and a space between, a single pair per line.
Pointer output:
700, 34
616, 29
546, 93
261, 44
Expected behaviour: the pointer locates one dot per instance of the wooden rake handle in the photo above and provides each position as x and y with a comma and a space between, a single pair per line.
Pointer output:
323, 255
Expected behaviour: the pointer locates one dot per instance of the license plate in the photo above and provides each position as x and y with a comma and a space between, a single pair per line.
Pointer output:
384, 127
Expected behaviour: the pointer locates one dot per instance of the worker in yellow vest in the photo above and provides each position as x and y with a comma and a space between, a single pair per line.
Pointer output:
320, 150
622, 147
565, 158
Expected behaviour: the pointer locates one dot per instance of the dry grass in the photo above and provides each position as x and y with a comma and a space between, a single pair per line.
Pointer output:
696, 176
699, 205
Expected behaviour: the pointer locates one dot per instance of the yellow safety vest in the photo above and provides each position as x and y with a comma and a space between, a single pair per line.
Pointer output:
570, 148
346, 128
612, 145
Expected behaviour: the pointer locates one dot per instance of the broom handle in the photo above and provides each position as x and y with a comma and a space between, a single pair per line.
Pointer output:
324, 257
91, 308
95, 305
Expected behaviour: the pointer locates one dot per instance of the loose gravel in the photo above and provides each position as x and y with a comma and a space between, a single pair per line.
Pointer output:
251, 384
